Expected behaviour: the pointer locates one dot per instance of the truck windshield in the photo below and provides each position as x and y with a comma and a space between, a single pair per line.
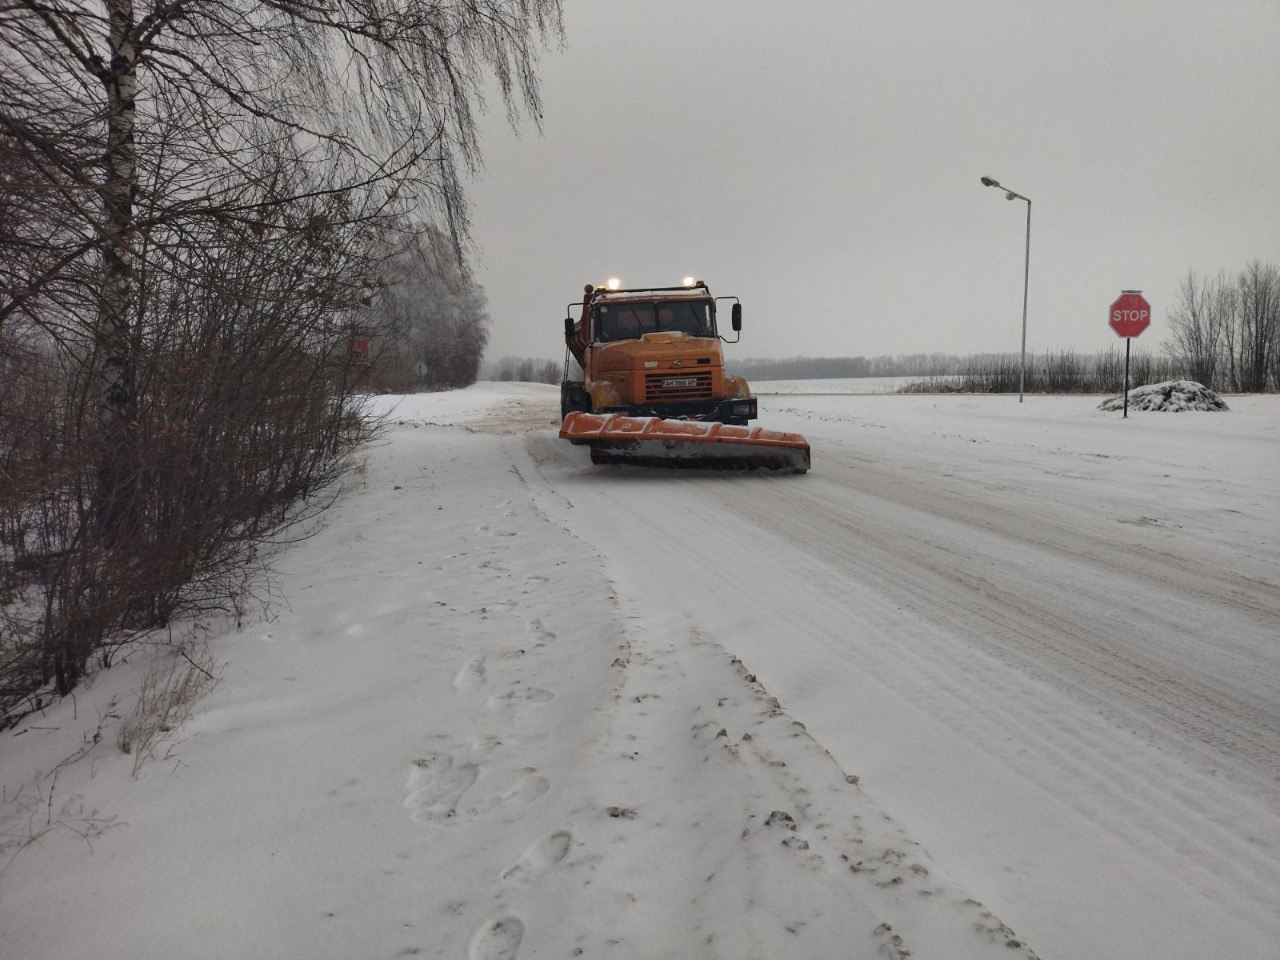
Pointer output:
630, 321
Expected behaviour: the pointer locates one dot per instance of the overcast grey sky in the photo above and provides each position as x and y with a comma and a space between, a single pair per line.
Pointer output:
821, 160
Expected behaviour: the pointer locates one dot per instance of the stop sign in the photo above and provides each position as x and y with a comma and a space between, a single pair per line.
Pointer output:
1130, 314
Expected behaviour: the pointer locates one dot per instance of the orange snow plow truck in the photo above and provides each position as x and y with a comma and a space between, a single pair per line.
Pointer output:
653, 390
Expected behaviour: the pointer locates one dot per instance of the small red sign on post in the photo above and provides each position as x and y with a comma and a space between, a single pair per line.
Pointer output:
1130, 314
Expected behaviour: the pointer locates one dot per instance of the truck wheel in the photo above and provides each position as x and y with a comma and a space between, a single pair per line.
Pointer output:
572, 398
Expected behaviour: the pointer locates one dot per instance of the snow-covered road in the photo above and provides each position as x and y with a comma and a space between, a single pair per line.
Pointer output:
987, 675
1048, 639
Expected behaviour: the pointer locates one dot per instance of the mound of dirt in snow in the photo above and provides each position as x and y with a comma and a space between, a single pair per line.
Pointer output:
1172, 395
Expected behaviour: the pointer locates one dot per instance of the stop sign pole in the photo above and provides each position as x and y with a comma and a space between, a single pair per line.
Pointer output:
1130, 315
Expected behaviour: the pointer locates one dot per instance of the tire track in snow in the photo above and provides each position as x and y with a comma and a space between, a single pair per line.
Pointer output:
1060, 633
1074, 632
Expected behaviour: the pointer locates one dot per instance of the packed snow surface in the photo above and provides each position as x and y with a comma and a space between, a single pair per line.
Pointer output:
1171, 396
992, 680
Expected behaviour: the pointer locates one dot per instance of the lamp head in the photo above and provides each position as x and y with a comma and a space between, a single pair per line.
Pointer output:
988, 182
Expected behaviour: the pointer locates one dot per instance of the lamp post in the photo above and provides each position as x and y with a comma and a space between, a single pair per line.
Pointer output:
1026, 275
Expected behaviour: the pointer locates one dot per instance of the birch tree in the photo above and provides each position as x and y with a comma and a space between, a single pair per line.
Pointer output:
134, 111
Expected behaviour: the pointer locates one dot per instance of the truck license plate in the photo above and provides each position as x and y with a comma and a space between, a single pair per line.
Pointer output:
685, 382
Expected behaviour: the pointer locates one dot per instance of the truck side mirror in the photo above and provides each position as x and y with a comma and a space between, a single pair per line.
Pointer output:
736, 314
568, 328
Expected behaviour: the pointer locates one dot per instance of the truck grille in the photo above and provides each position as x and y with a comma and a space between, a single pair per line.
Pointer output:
656, 390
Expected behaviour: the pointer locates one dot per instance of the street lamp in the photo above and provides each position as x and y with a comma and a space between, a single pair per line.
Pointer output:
1026, 274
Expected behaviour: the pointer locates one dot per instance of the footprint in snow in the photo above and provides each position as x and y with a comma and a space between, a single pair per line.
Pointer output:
426, 769
540, 633
539, 857
891, 944
527, 789
471, 676
497, 939
436, 786
484, 744
521, 696
485, 528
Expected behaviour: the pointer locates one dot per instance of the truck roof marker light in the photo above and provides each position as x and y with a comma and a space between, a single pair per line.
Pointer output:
613, 283
690, 281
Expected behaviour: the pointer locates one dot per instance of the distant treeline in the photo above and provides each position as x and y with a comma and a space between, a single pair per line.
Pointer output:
1055, 371
523, 369
538, 370
836, 368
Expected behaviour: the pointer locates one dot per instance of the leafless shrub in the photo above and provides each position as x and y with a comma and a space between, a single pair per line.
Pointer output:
243, 418
198, 208
933, 385
1061, 371
995, 373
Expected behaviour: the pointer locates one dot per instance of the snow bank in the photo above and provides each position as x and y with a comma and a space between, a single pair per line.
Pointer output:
1173, 396
455, 407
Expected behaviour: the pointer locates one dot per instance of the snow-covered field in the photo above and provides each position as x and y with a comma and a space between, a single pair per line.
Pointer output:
847, 386
992, 680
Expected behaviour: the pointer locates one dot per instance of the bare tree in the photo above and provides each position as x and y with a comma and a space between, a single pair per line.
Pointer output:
1199, 323
156, 94
1226, 307
1258, 290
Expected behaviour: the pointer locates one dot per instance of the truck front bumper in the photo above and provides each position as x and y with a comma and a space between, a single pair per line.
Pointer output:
737, 410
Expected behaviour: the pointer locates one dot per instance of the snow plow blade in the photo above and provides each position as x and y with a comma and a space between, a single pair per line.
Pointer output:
653, 442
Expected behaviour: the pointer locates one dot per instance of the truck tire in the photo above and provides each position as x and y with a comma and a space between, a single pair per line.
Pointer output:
572, 398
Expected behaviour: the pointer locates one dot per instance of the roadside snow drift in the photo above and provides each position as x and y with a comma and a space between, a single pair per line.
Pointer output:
1172, 396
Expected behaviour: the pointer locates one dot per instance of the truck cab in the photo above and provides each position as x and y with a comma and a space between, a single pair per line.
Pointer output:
653, 351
